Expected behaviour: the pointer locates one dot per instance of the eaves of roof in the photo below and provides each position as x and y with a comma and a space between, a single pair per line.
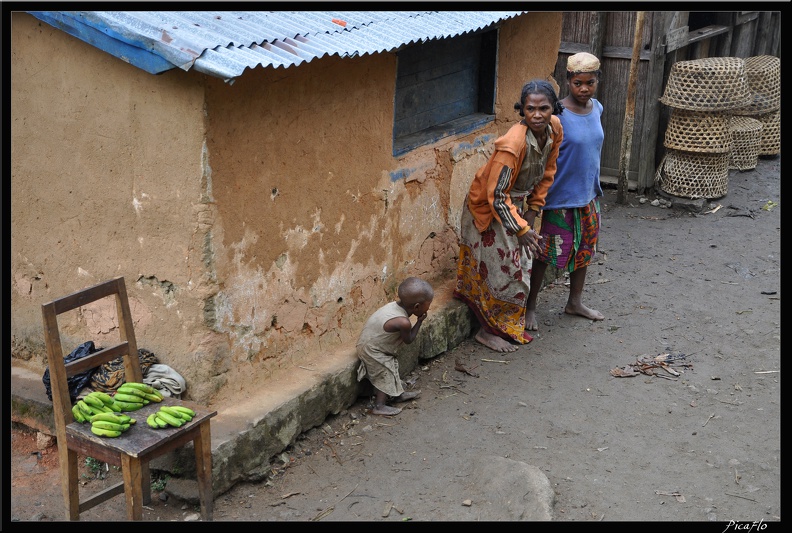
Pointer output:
225, 43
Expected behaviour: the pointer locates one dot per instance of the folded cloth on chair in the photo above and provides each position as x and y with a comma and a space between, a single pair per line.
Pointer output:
165, 379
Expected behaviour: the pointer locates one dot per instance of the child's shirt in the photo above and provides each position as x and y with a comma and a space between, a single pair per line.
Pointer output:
374, 339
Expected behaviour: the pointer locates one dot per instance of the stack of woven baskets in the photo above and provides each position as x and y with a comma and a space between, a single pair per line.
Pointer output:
763, 74
714, 124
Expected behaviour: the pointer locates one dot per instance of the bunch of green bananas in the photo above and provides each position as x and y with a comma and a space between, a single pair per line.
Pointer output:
92, 404
133, 395
170, 416
110, 424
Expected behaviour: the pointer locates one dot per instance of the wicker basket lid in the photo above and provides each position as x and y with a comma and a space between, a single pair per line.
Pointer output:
763, 74
708, 84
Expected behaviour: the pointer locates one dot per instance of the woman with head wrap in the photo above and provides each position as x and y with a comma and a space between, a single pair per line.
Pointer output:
570, 219
497, 240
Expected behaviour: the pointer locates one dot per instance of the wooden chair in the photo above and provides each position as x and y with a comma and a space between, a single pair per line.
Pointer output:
133, 450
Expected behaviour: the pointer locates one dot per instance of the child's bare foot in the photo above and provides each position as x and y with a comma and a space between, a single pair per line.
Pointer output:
494, 342
406, 396
582, 310
385, 410
530, 321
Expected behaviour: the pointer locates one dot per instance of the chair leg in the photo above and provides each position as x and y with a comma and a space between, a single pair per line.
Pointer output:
133, 486
70, 482
203, 464
146, 482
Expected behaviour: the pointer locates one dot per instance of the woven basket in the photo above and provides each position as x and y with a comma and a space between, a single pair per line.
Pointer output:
708, 84
763, 74
771, 133
697, 131
746, 137
692, 175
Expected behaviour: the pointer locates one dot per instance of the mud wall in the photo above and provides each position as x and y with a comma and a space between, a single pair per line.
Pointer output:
257, 224
107, 179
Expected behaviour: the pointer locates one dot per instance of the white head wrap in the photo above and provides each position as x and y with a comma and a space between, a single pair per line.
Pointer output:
583, 62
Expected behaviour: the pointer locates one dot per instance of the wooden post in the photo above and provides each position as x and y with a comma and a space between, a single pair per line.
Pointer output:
597, 33
629, 114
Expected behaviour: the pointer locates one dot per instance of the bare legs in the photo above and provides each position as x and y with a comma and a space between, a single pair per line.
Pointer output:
383, 409
574, 305
537, 276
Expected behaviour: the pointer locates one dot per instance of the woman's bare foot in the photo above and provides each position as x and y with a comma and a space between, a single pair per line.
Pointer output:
385, 410
407, 396
582, 310
530, 321
494, 342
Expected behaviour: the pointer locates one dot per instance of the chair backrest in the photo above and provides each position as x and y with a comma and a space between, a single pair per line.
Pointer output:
60, 371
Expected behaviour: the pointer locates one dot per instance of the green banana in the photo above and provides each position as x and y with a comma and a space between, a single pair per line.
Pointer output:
124, 419
157, 393
184, 416
153, 398
127, 406
124, 389
106, 398
85, 408
150, 420
129, 398
104, 432
145, 387
107, 417
104, 424
170, 419
141, 394
171, 410
78, 416
184, 409
160, 422
114, 407
93, 401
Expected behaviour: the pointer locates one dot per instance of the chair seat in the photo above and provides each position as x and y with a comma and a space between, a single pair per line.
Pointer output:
139, 440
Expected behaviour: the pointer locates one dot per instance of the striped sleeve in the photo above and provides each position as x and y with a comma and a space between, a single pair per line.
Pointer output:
500, 204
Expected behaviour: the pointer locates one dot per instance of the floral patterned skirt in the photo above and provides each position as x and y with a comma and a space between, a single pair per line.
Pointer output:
493, 278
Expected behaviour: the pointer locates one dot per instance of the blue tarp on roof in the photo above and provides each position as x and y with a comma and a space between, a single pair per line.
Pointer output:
225, 43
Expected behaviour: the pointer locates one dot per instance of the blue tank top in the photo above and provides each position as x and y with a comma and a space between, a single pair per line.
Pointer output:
577, 177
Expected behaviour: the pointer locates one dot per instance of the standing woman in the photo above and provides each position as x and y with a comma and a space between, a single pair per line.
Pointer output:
571, 215
497, 240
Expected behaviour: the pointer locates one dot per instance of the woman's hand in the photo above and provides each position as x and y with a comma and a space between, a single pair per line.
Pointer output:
530, 242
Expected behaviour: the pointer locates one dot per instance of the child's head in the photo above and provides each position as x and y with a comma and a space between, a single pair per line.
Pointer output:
416, 295
583, 63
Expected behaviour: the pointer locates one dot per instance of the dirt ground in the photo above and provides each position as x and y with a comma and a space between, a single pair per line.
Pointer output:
668, 410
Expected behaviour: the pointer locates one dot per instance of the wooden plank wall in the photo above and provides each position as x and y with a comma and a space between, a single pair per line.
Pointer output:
725, 34
619, 29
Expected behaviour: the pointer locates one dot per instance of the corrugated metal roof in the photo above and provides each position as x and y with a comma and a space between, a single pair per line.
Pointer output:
224, 43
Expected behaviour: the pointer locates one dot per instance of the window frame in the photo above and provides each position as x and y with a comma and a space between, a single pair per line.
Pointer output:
413, 128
